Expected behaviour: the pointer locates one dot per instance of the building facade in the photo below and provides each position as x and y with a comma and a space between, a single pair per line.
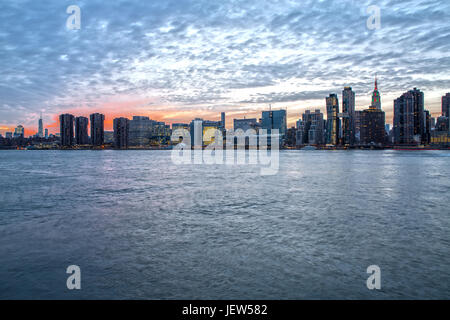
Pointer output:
121, 133
373, 128
275, 120
97, 129
333, 123
410, 119
40, 128
310, 129
66, 122
81, 130
348, 121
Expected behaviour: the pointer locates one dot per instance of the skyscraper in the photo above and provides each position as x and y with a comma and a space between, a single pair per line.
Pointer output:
97, 129
46, 133
81, 130
410, 118
310, 128
373, 129
140, 131
222, 116
332, 119
19, 132
121, 132
66, 129
275, 120
446, 105
446, 108
376, 98
40, 128
348, 109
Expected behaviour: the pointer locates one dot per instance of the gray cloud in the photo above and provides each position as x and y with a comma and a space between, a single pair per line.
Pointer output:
188, 53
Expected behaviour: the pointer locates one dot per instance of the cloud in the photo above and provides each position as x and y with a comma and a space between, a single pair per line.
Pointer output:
185, 55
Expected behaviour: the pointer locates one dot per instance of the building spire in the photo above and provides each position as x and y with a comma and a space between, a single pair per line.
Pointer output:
376, 82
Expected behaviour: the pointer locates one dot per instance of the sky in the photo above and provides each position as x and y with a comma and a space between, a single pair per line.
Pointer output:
175, 60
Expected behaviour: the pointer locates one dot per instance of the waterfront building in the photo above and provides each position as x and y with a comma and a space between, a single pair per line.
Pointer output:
446, 105
442, 124
410, 119
276, 119
196, 130
40, 128
46, 133
81, 131
446, 108
246, 124
140, 131
97, 129
66, 122
348, 121
373, 129
8, 135
333, 123
358, 115
19, 132
222, 120
121, 133
310, 128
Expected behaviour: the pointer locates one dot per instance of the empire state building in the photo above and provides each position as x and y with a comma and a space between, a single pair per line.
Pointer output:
376, 99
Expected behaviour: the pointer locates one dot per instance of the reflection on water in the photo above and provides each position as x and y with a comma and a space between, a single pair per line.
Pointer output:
142, 227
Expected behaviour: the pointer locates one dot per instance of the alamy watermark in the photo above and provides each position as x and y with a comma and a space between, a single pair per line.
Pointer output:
374, 20
73, 22
240, 148
74, 280
374, 281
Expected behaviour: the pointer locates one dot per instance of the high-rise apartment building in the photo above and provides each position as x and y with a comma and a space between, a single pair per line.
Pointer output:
275, 120
410, 119
333, 123
310, 129
81, 131
121, 133
97, 129
66, 122
348, 121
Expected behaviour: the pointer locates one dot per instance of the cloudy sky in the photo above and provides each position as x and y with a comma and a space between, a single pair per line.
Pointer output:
174, 60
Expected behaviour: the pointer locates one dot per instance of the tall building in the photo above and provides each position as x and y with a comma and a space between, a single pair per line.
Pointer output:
19, 132
348, 121
410, 119
97, 129
66, 129
275, 120
222, 117
81, 131
140, 131
46, 133
310, 129
446, 108
446, 105
333, 124
121, 132
376, 98
40, 128
373, 128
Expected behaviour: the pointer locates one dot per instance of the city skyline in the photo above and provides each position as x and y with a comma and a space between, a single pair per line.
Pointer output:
233, 58
343, 106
